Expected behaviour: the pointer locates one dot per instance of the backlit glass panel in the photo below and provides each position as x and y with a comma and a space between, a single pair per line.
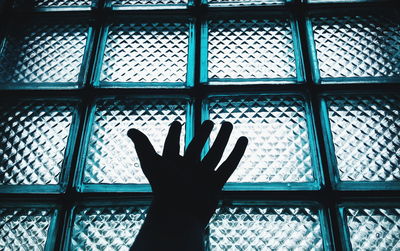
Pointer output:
365, 132
245, 2
146, 53
265, 228
106, 228
148, 3
43, 53
52, 3
111, 157
373, 228
279, 148
358, 46
24, 228
250, 49
33, 141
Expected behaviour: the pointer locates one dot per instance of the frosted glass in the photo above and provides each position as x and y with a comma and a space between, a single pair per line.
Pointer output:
365, 133
146, 52
43, 53
279, 148
265, 228
24, 229
111, 156
33, 140
374, 228
104, 228
358, 46
244, 2
52, 3
147, 2
250, 49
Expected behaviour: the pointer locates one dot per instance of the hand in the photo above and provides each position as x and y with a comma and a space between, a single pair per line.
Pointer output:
186, 181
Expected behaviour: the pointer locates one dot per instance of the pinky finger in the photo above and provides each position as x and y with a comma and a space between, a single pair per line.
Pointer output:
226, 169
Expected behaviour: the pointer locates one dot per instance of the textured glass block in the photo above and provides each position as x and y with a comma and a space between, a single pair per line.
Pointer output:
52, 3
111, 157
148, 2
43, 53
244, 2
250, 49
33, 139
279, 148
146, 52
358, 46
374, 228
265, 228
366, 137
106, 228
24, 229
344, 1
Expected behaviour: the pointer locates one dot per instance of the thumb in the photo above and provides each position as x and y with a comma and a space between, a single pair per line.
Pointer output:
144, 148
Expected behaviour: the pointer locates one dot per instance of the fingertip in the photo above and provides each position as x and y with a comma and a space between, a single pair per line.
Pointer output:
176, 123
208, 124
136, 134
227, 126
131, 133
243, 140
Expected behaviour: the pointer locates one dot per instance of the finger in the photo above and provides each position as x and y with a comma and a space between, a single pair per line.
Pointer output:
144, 148
171, 146
214, 155
194, 149
229, 165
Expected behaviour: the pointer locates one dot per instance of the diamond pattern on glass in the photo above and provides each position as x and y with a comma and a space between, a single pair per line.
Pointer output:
366, 137
279, 149
244, 2
265, 228
33, 139
146, 52
374, 228
111, 156
148, 2
341, 1
24, 229
43, 53
107, 228
51, 3
250, 49
357, 46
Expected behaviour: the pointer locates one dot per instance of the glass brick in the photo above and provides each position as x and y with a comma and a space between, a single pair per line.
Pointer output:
24, 229
250, 49
33, 140
104, 228
51, 3
245, 2
365, 132
279, 148
344, 1
373, 228
43, 53
146, 52
148, 3
265, 228
111, 157
357, 46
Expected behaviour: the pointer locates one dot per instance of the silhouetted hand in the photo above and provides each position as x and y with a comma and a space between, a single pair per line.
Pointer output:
186, 183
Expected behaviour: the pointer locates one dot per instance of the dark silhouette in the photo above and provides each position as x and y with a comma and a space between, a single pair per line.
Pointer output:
185, 187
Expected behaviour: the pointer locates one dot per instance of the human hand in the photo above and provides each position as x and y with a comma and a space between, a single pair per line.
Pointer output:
187, 180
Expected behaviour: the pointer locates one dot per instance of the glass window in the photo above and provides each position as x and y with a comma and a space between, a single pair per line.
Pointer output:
313, 84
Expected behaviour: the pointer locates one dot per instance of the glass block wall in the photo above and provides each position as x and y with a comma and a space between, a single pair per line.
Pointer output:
313, 84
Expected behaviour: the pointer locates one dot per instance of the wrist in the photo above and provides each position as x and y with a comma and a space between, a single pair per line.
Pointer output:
191, 209
168, 224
